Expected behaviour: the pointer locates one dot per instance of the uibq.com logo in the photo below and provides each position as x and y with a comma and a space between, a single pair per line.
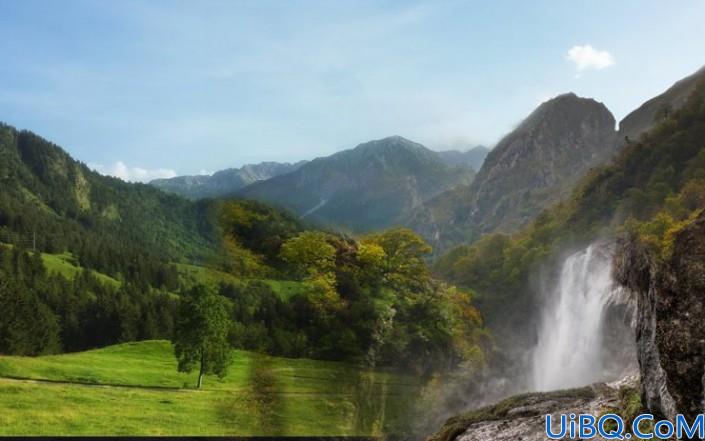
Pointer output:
612, 426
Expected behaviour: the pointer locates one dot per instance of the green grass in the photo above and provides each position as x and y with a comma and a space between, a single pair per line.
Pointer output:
65, 265
134, 389
195, 274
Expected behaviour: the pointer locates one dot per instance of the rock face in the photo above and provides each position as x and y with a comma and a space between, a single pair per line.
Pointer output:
670, 320
364, 188
223, 182
550, 150
532, 167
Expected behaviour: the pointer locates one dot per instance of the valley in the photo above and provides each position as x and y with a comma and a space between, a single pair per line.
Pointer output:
331, 278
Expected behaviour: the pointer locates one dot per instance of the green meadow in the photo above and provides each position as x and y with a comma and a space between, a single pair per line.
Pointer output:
135, 389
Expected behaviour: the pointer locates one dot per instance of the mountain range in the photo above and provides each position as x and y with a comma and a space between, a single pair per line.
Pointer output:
223, 182
378, 184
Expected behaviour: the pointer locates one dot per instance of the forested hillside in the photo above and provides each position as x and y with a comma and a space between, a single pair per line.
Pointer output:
56, 204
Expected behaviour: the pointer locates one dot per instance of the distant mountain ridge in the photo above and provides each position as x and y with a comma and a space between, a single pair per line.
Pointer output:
364, 188
473, 157
224, 182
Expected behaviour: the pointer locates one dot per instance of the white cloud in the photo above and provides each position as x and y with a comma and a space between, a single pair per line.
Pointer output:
586, 57
133, 174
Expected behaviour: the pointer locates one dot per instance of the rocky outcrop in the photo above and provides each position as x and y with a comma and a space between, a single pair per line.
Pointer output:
523, 417
670, 319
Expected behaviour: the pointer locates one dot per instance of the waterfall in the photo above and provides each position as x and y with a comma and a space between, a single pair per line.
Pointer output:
570, 347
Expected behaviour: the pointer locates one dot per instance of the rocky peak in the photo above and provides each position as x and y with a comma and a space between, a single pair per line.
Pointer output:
551, 148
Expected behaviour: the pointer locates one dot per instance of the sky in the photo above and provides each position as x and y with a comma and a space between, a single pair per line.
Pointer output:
146, 89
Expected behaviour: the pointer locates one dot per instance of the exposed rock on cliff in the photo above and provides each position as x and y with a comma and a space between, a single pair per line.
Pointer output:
670, 319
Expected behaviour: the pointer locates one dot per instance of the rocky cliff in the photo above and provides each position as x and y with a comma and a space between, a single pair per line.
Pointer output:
670, 320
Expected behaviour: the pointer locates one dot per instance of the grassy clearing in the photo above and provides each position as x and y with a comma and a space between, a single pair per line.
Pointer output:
65, 265
195, 274
134, 389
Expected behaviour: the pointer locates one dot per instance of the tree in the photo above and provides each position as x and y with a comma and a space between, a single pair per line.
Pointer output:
310, 253
403, 258
201, 333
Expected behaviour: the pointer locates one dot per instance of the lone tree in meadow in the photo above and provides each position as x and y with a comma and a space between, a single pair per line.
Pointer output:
201, 333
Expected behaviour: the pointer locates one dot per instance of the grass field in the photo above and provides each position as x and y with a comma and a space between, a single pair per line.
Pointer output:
134, 389
64, 264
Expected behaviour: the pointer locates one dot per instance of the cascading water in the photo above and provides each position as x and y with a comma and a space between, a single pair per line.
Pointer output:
570, 350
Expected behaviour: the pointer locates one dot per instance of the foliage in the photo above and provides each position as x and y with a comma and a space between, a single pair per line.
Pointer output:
253, 234
379, 287
44, 312
127, 231
201, 333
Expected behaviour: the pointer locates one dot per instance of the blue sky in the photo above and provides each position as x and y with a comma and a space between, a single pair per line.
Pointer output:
153, 88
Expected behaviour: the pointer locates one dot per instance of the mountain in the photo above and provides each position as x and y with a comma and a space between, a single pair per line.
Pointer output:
530, 168
61, 205
364, 188
532, 165
650, 188
472, 158
638, 122
223, 182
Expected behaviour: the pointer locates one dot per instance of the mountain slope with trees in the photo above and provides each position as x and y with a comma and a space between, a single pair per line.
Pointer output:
57, 204
365, 188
